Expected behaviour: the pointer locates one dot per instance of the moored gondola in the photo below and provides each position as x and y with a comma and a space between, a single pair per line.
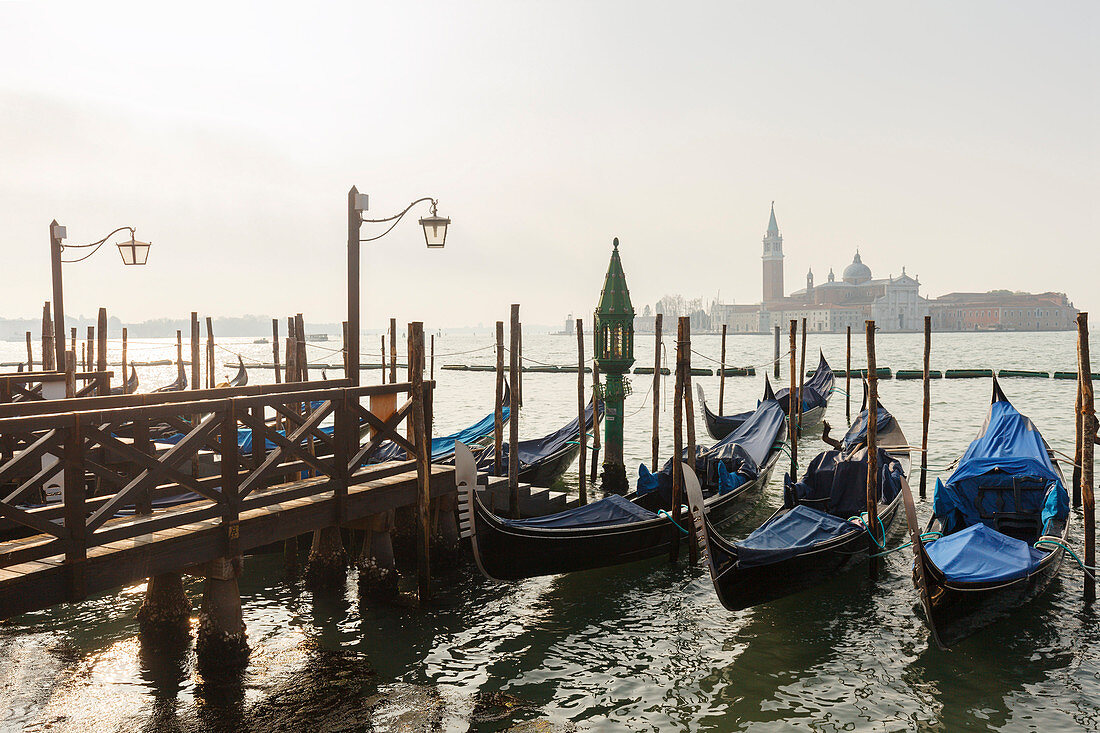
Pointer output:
542, 461
815, 399
613, 530
240, 379
132, 383
177, 386
999, 525
819, 531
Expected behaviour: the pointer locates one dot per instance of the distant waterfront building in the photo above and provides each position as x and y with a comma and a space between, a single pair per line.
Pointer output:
894, 303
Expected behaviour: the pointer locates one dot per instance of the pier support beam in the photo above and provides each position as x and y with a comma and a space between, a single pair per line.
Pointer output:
166, 612
328, 560
221, 643
377, 569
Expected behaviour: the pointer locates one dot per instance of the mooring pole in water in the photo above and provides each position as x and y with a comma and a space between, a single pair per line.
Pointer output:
581, 463
30, 353
801, 374
101, 353
775, 360
180, 373
722, 374
792, 394
49, 354
346, 351
431, 371
498, 410
594, 472
848, 379
513, 417
1088, 435
211, 366
89, 363
872, 448
927, 406
196, 365
1079, 435
382, 363
689, 414
393, 350
657, 327
423, 459
125, 352
72, 348
678, 435
275, 349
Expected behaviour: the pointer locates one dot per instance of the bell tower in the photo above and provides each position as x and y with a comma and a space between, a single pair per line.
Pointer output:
773, 261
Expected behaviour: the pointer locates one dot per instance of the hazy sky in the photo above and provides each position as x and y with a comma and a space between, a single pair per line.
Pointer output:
959, 139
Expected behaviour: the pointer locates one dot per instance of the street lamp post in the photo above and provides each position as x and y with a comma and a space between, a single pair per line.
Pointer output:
133, 252
435, 236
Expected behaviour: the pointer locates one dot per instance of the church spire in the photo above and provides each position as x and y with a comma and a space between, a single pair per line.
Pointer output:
773, 227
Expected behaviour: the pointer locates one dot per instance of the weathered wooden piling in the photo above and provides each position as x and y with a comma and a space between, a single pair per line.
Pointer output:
801, 374
722, 375
927, 406
689, 415
30, 354
657, 326
378, 574
423, 460
89, 365
678, 435
72, 341
1088, 436
848, 377
775, 359
221, 641
872, 448
49, 356
1079, 436
211, 378
431, 370
275, 348
498, 403
125, 352
582, 486
344, 351
792, 393
83, 356
165, 612
101, 344
196, 366
179, 355
393, 351
382, 363
513, 417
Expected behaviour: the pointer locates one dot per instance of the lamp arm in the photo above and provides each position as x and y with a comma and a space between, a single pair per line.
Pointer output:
95, 245
396, 218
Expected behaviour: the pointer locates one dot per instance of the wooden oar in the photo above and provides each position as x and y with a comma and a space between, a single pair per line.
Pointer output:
919, 557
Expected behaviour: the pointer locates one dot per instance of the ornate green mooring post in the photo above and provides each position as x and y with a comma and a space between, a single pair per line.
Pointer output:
614, 332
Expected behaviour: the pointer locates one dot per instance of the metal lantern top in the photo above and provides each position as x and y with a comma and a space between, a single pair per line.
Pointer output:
435, 229
614, 320
134, 252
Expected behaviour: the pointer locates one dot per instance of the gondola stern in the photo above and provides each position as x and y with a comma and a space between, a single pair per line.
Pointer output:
698, 517
466, 486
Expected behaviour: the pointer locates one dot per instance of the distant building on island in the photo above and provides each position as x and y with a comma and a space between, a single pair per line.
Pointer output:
894, 303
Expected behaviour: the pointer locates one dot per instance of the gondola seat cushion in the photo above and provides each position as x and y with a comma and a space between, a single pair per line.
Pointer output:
789, 534
611, 510
836, 482
982, 554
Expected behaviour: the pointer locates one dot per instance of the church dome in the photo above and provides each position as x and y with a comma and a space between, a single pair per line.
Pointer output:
857, 272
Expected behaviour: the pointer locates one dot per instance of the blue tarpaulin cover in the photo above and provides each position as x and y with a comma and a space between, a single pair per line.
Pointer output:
786, 535
858, 432
612, 510
443, 449
742, 452
1008, 446
531, 451
978, 554
815, 390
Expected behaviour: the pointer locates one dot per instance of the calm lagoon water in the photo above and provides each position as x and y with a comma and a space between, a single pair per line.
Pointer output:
641, 647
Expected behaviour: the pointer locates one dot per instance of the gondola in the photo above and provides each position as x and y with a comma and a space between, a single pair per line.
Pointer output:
608, 532
241, 377
999, 523
177, 386
819, 531
542, 461
131, 383
815, 399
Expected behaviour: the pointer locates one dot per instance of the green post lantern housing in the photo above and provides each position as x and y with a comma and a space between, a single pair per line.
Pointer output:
614, 334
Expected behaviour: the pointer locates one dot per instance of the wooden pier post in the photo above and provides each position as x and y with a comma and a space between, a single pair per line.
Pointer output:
303, 357
722, 374
101, 351
275, 349
1088, 440
498, 409
211, 369
83, 357
72, 342
196, 366
383, 362
89, 363
519, 351
125, 352
423, 460
49, 356
927, 406
678, 436
848, 378
1079, 436
775, 359
801, 375
582, 463
221, 641
180, 373
594, 472
872, 448
792, 393
30, 354
657, 327
513, 417
344, 351
689, 414
393, 351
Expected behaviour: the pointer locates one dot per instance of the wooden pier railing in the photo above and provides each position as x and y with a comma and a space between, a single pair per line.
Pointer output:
162, 482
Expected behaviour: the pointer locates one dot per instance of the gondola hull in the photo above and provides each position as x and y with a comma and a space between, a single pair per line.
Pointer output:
549, 469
